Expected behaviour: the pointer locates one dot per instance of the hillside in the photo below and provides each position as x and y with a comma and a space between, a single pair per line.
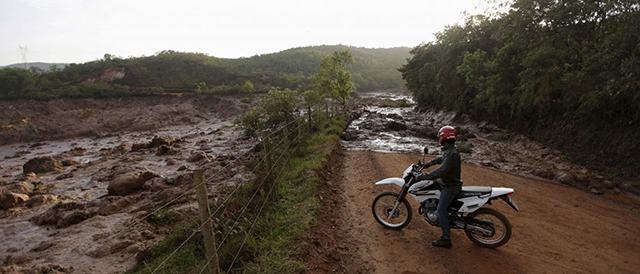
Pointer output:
173, 71
563, 73
37, 65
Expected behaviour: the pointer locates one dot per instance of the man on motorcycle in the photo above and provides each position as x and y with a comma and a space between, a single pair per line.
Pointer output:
450, 181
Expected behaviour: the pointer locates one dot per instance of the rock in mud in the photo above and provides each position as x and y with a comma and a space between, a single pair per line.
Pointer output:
64, 214
65, 176
53, 268
171, 162
10, 200
195, 157
396, 126
127, 183
138, 147
114, 204
164, 149
41, 165
78, 151
22, 188
565, 178
28, 176
70, 163
394, 116
163, 140
39, 200
349, 136
423, 131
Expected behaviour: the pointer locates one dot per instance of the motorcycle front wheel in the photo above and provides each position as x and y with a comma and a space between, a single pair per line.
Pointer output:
494, 228
382, 208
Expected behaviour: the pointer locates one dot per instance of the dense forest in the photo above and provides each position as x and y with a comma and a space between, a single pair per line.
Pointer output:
171, 71
566, 72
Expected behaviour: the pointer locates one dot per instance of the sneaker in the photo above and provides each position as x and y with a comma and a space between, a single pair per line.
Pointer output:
442, 242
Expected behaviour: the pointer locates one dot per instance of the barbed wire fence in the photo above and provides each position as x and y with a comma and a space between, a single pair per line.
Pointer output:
209, 179
285, 145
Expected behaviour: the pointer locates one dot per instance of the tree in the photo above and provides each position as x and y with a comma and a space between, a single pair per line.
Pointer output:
333, 79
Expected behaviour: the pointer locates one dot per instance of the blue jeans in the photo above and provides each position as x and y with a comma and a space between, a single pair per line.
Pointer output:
446, 197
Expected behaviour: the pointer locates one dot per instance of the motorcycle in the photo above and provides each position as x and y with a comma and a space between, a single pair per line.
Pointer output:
484, 226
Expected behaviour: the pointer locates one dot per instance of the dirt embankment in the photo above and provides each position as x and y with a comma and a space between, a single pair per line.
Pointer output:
30, 120
559, 229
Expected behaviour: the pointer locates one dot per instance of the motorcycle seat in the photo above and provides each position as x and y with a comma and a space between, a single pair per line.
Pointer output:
470, 191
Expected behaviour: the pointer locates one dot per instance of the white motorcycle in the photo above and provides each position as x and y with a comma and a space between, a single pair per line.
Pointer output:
484, 226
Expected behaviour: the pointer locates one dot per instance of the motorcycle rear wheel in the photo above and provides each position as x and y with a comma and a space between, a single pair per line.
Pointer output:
383, 205
492, 220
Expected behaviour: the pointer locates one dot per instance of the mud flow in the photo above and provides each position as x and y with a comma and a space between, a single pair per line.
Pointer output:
78, 204
389, 123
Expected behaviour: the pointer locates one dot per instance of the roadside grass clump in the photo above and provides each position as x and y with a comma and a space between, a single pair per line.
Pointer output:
163, 217
187, 258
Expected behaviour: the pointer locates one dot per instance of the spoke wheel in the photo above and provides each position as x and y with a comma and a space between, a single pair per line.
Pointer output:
498, 228
382, 209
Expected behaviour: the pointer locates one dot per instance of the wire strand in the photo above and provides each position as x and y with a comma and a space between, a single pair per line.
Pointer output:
137, 221
228, 197
260, 211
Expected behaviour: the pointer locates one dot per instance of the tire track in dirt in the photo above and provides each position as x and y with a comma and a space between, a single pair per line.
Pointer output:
558, 230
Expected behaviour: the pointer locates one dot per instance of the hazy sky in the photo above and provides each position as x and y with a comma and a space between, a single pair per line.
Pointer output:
84, 30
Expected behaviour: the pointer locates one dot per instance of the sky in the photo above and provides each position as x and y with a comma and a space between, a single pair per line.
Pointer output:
77, 31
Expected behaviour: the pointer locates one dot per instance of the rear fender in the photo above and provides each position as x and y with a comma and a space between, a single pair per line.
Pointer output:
499, 191
391, 181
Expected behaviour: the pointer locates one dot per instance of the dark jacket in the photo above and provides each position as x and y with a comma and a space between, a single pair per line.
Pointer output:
449, 170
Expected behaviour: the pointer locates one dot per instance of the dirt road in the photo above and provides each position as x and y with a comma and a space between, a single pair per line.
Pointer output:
558, 229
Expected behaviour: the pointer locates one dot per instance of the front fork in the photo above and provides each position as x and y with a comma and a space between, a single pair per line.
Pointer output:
403, 193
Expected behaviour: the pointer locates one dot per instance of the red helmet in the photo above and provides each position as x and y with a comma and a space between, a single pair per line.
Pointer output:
447, 133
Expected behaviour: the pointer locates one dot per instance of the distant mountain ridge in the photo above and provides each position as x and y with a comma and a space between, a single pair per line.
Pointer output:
40, 65
174, 71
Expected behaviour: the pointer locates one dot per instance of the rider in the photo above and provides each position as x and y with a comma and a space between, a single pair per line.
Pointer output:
449, 175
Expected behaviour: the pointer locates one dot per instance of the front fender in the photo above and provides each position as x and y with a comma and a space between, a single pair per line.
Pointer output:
395, 180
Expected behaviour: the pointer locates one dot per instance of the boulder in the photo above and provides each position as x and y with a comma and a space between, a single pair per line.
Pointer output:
64, 214
10, 200
565, 178
127, 183
163, 140
195, 157
65, 176
39, 200
138, 147
349, 135
41, 165
162, 150
22, 188
394, 116
70, 163
396, 126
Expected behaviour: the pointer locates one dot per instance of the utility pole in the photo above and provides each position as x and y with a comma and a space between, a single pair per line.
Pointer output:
23, 51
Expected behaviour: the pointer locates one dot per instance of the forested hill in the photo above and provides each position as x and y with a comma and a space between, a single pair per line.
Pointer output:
170, 71
373, 68
565, 72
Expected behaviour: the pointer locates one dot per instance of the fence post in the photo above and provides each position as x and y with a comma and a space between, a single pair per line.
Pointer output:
267, 149
205, 215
